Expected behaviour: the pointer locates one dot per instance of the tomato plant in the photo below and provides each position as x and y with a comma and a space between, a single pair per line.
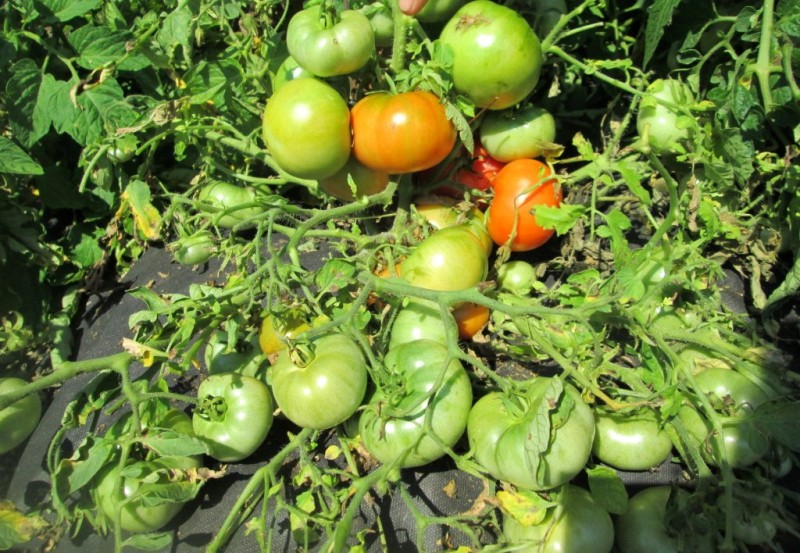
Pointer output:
329, 43
577, 524
481, 34
306, 127
321, 386
233, 415
366, 181
18, 420
433, 399
519, 187
526, 133
661, 121
401, 133
452, 258
538, 440
631, 441
243, 357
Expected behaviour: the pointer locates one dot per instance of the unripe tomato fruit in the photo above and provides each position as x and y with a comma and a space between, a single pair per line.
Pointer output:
18, 420
367, 181
510, 136
306, 126
519, 187
497, 57
401, 133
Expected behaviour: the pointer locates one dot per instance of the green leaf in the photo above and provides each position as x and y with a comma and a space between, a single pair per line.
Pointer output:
14, 160
788, 288
738, 152
778, 419
101, 110
95, 455
633, 180
87, 252
145, 215
28, 121
608, 489
149, 542
614, 229
659, 16
335, 275
561, 218
169, 442
177, 31
59, 10
99, 46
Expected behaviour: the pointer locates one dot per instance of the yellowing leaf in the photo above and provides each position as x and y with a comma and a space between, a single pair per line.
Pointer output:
527, 507
16, 527
146, 216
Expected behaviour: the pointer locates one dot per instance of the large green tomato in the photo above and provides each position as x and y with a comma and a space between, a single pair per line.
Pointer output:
665, 126
244, 358
323, 386
233, 415
306, 127
539, 440
18, 420
330, 44
577, 524
630, 440
452, 258
227, 204
643, 526
420, 319
497, 57
734, 397
288, 70
195, 249
432, 398
507, 136
148, 494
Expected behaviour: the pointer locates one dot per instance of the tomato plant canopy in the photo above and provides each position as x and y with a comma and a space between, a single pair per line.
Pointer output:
519, 252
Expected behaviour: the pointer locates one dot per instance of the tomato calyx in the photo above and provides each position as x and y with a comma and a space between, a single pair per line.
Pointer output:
212, 408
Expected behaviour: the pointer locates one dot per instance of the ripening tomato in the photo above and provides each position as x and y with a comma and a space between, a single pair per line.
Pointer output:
470, 319
401, 133
519, 187
481, 172
306, 126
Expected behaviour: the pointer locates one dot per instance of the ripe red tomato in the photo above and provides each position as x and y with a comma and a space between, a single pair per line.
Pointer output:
401, 133
519, 187
481, 172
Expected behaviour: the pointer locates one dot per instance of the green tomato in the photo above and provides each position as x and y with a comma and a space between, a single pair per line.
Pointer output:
367, 181
516, 277
432, 385
663, 127
288, 70
233, 415
577, 524
322, 387
643, 526
306, 126
328, 48
439, 10
18, 420
631, 440
380, 17
420, 319
452, 258
147, 494
245, 358
506, 434
497, 58
195, 249
508, 136
237, 203
124, 149
734, 397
